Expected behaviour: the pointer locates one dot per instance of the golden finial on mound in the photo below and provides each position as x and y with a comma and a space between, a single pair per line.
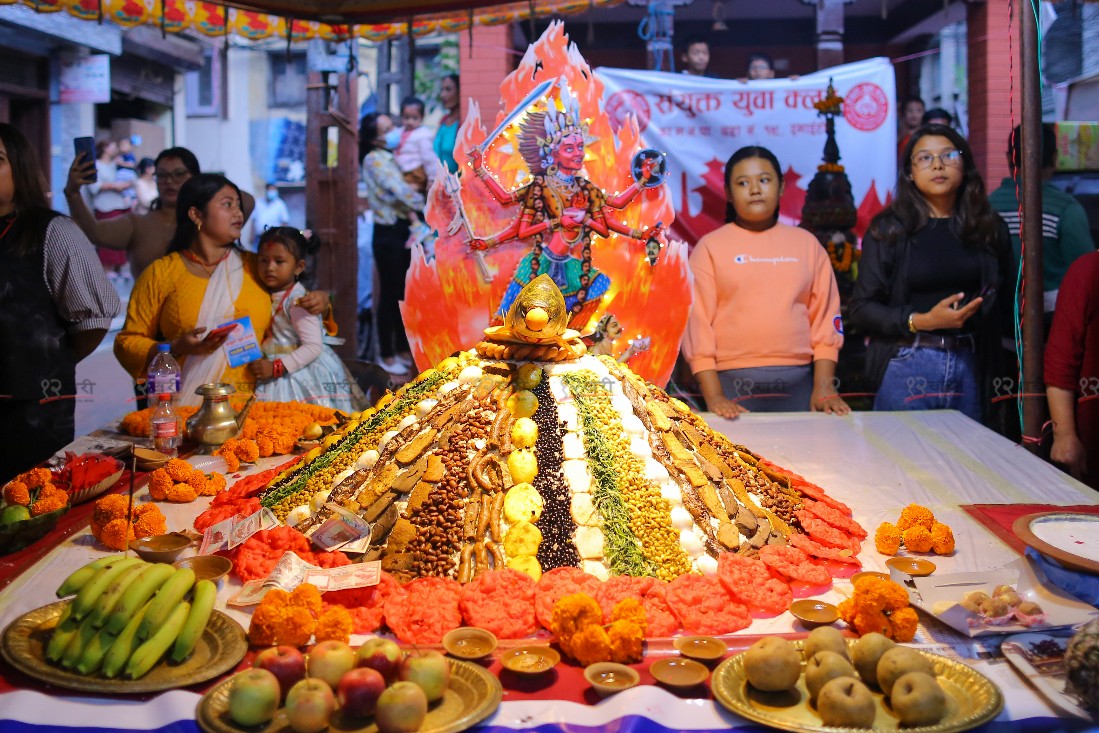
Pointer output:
535, 327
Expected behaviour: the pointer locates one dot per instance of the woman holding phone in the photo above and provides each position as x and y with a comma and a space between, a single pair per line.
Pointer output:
934, 274
186, 297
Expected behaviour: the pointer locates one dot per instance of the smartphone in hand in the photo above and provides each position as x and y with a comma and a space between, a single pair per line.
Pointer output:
986, 292
220, 331
86, 145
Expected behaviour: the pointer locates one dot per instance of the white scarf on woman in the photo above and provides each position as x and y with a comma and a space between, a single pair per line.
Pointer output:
218, 307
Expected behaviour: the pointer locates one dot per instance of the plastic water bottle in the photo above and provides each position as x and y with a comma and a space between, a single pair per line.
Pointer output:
166, 430
164, 372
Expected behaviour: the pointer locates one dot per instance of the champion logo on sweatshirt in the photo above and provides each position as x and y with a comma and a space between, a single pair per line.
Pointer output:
749, 259
837, 323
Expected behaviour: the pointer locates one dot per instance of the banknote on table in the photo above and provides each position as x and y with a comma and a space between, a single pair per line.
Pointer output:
358, 575
288, 574
248, 526
216, 537
340, 530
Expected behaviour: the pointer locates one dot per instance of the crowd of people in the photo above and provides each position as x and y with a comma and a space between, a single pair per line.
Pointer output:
935, 297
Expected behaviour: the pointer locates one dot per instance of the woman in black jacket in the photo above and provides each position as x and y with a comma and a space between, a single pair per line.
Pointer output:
934, 276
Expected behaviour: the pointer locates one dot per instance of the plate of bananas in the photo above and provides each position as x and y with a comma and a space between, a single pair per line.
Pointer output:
130, 626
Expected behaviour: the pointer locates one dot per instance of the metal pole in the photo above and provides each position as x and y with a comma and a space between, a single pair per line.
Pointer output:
1030, 229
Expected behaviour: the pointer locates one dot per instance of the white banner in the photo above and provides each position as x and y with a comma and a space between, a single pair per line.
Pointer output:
699, 122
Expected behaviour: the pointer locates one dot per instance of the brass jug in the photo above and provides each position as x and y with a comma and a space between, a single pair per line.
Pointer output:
216, 422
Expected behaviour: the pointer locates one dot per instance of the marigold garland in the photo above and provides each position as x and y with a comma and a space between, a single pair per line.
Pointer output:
295, 618
578, 625
180, 482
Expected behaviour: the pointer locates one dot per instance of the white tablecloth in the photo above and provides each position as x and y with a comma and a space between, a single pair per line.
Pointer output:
875, 462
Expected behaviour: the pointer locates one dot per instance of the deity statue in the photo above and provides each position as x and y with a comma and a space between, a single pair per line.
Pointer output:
561, 210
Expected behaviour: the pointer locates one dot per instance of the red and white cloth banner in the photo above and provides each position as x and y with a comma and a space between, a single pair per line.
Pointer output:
699, 122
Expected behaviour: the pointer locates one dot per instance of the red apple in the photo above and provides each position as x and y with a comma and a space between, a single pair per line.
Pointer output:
309, 705
429, 669
359, 691
285, 662
381, 654
330, 660
253, 697
401, 708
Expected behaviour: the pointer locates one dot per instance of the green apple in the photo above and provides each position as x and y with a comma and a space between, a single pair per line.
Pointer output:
253, 697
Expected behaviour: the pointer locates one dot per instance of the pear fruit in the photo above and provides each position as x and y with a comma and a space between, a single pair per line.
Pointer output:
824, 667
825, 638
917, 699
898, 662
868, 650
846, 703
772, 664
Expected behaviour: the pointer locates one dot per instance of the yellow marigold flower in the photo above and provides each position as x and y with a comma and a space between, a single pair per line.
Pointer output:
590, 645
159, 483
887, 539
942, 539
913, 515
181, 493
336, 624
217, 481
630, 609
16, 492
627, 639
265, 620
917, 539
308, 597
295, 626
116, 534
247, 451
571, 614
179, 470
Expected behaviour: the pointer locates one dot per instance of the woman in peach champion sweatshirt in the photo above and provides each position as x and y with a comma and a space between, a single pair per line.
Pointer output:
765, 330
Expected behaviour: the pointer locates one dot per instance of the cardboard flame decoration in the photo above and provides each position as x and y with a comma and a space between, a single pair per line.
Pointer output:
488, 240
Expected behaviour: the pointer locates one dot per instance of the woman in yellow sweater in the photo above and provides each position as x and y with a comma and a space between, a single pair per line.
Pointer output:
205, 281
764, 331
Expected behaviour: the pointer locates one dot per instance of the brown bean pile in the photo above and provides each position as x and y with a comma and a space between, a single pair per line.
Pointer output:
556, 523
439, 519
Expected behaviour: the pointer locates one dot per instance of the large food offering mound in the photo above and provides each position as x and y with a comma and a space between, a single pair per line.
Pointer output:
492, 461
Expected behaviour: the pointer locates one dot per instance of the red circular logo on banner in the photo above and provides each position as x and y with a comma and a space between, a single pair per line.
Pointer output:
622, 103
865, 106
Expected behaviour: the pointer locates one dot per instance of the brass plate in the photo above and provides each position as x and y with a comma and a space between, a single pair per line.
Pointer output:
221, 646
971, 699
473, 695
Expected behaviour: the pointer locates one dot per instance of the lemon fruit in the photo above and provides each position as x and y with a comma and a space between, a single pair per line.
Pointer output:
524, 433
523, 466
523, 404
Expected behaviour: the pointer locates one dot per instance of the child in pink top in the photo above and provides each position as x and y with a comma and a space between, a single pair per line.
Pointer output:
765, 330
415, 153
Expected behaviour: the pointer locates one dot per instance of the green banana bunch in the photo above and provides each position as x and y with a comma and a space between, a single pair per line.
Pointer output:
119, 653
76, 581
91, 659
79, 641
149, 653
167, 598
113, 594
202, 605
67, 626
137, 594
91, 590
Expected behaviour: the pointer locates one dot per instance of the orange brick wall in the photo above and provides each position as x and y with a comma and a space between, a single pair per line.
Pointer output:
482, 72
993, 107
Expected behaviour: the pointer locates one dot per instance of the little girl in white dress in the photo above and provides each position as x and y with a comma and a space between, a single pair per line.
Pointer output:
299, 367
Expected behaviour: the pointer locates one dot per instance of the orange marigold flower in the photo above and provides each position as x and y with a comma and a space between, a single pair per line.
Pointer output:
16, 492
232, 463
630, 609
879, 605
159, 483
308, 597
116, 534
112, 506
53, 490
181, 493
276, 598
942, 539
887, 539
147, 507
247, 451
590, 645
197, 481
571, 614
49, 504
150, 524
336, 624
179, 470
917, 539
217, 481
295, 626
913, 515
284, 444
35, 477
627, 639
265, 620
265, 445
